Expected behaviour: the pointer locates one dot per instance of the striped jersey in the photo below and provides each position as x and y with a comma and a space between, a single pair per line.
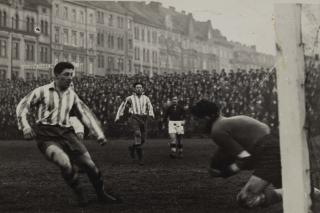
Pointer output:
55, 108
138, 105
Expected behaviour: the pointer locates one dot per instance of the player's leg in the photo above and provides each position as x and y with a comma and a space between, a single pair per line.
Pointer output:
134, 125
95, 177
56, 155
267, 170
179, 145
173, 144
139, 150
180, 132
255, 193
220, 164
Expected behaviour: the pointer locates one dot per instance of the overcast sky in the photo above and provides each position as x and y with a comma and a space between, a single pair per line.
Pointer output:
246, 21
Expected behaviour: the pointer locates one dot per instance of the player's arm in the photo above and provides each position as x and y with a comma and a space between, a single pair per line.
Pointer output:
88, 118
150, 108
123, 108
22, 111
77, 126
226, 142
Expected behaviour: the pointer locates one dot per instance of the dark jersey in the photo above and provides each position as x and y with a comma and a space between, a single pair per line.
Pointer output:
175, 113
238, 133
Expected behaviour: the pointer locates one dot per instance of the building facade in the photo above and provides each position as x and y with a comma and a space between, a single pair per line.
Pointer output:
25, 48
106, 37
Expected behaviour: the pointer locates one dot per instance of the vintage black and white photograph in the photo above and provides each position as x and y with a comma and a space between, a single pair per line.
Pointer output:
159, 106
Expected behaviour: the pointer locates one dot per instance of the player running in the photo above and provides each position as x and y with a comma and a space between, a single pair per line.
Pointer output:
138, 107
175, 116
244, 144
56, 138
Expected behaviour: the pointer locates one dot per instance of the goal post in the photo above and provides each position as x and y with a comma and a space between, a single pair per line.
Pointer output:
291, 106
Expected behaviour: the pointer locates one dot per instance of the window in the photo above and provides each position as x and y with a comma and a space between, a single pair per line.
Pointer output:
120, 64
154, 37
129, 24
148, 56
57, 9
130, 43
56, 34
148, 36
74, 38
81, 39
144, 55
136, 33
44, 10
15, 49
46, 32
100, 39
74, 58
81, 17
3, 18
110, 20
91, 41
74, 15
136, 53
110, 63
154, 57
119, 43
16, 22
129, 65
142, 34
3, 48
65, 36
65, 13
110, 41
29, 51
100, 61
91, 18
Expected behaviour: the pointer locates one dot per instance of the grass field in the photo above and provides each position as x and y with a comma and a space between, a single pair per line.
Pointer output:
29, 183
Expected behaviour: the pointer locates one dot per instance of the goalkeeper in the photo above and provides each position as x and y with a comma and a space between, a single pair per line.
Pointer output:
244, 143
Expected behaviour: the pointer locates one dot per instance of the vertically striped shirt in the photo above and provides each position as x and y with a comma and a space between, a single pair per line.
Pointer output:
55, 108
138, 105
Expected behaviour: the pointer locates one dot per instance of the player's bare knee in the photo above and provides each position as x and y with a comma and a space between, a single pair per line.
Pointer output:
137, 134
59, 157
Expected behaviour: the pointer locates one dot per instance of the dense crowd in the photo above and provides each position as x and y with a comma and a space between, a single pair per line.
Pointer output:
250, 93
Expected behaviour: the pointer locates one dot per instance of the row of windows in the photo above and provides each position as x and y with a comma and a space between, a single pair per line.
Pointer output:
28, 24
29, 51
145, 55
110, 62
145, 35
80, 17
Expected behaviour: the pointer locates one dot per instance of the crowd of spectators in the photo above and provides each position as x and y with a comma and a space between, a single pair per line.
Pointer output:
250, 93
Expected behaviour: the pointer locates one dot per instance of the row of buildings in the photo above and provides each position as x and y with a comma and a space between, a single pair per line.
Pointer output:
105, 37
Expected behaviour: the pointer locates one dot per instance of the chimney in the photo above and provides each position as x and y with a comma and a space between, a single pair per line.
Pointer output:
172, 8
190, 14
183, 12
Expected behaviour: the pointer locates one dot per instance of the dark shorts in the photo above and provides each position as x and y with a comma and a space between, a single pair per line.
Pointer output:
64, 138
267, 160
138, 123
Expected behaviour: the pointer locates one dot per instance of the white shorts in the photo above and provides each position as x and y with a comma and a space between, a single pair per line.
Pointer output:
176, 127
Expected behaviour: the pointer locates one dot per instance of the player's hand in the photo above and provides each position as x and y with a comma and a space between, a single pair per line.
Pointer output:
102, 141
29, 134
80, 135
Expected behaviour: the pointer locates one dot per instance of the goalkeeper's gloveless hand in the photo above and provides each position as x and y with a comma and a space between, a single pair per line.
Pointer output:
102, 141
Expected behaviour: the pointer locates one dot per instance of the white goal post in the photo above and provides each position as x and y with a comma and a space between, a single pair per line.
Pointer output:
291, 105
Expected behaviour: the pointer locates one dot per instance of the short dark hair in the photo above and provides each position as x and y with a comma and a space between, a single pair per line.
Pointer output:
205, 108
137, 83
62, 66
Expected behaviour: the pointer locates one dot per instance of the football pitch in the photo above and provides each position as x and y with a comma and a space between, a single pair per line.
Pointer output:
29, 183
